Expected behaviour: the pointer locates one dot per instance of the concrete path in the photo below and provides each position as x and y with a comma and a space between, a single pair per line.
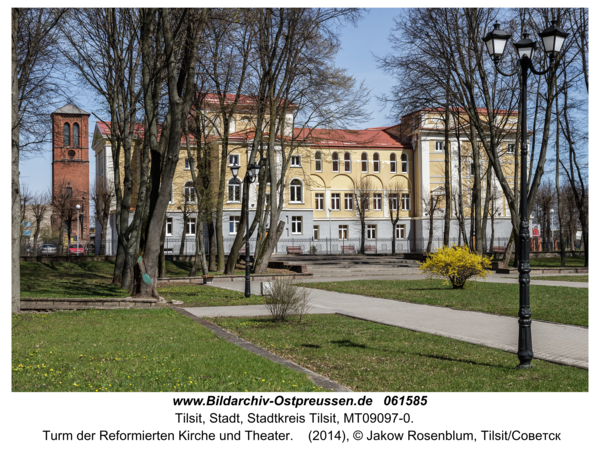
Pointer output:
559, 343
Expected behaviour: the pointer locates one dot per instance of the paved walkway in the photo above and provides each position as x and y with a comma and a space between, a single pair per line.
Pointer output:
564, 344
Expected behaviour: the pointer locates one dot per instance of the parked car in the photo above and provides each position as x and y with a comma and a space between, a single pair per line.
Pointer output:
72, 250
47, 249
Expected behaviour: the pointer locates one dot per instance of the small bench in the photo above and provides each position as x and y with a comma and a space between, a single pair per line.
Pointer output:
348, 249
294, 250
370, 249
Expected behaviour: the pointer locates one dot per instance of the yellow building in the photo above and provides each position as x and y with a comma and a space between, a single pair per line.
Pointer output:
400, 167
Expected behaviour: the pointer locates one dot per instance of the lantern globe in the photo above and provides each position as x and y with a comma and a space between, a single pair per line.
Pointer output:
234, 170
495, 42
525, 47
553, 38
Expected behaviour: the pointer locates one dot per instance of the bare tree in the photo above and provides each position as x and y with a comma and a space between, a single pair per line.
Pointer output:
40, 207
495, 210
394, 199
431, 209
364, 190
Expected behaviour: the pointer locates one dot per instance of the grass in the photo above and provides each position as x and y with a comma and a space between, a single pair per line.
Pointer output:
553, 262
572, 278
84, 279
366, 356
204, 295
554, 304
136, 350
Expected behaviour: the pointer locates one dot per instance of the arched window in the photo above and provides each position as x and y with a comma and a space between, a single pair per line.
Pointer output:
335, 162
404, 163
318, 162
365, 162
393, 163
189, 192
296, 191
67, 135
376, 162
347, 162
75, 134
233, 190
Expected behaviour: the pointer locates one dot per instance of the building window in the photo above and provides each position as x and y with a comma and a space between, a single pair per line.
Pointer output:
75, 134
371, 231
335, 201
234, 159
190, 226
67, 135
233, 190
405, 201
335, 162
510, 148
393, 163
234, 221
364, 162
393, 202
343, 231
187, 164
347, 162
400, 231
348, 197
439, 145
169, 226
232, 125
376, 162
296, 161
319, 201
296, 225
318, 162
69, 192
472, 169
171, 200
296, 191
404, 163
189, 192
316, 234
377, 201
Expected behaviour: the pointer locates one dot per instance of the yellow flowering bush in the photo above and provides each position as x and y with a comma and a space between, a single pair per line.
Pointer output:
457, 264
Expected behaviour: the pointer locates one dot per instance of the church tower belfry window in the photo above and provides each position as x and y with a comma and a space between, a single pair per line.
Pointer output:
76, 135
67, 135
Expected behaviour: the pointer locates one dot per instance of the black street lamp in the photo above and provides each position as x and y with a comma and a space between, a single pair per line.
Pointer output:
251, 175
553, 38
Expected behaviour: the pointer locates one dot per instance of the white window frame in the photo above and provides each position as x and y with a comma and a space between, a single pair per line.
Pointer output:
364, 162
371, 231
343, 232
348, 199
186, 165
296, 188
239, 191
400, 231
376, 163
190, 226
349, 160
193, 190
377, 201
319, 201
405, 201
316, 232
439, 146
336, 197
237, 157
404, 161
318, 162
235, 221
297, 163
168, 222
335, 160
510, 146
393, 163
297, 224
393, 202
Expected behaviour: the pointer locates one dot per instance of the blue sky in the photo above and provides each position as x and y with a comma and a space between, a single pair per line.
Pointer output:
358, 46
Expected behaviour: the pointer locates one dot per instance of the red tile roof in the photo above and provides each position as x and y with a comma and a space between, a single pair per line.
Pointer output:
376, 137
138, 131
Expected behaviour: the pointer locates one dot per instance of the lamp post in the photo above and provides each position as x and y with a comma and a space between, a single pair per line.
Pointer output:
553, 38
77, 207
250, 177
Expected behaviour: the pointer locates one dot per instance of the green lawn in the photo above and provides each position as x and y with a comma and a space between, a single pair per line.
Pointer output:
206, 295
84, 279
554, 304
553, 262
136, 350
366, 356
572, 278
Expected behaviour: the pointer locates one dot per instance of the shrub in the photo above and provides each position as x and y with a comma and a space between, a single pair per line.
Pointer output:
284, 299
457, 264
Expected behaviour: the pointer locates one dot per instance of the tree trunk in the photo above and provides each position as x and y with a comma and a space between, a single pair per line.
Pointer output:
200, 257
262, 260
212, 262
447, 172
476, 193
508, 250
162, 263
16, 193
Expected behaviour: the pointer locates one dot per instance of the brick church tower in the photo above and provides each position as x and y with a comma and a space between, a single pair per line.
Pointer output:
71, 169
